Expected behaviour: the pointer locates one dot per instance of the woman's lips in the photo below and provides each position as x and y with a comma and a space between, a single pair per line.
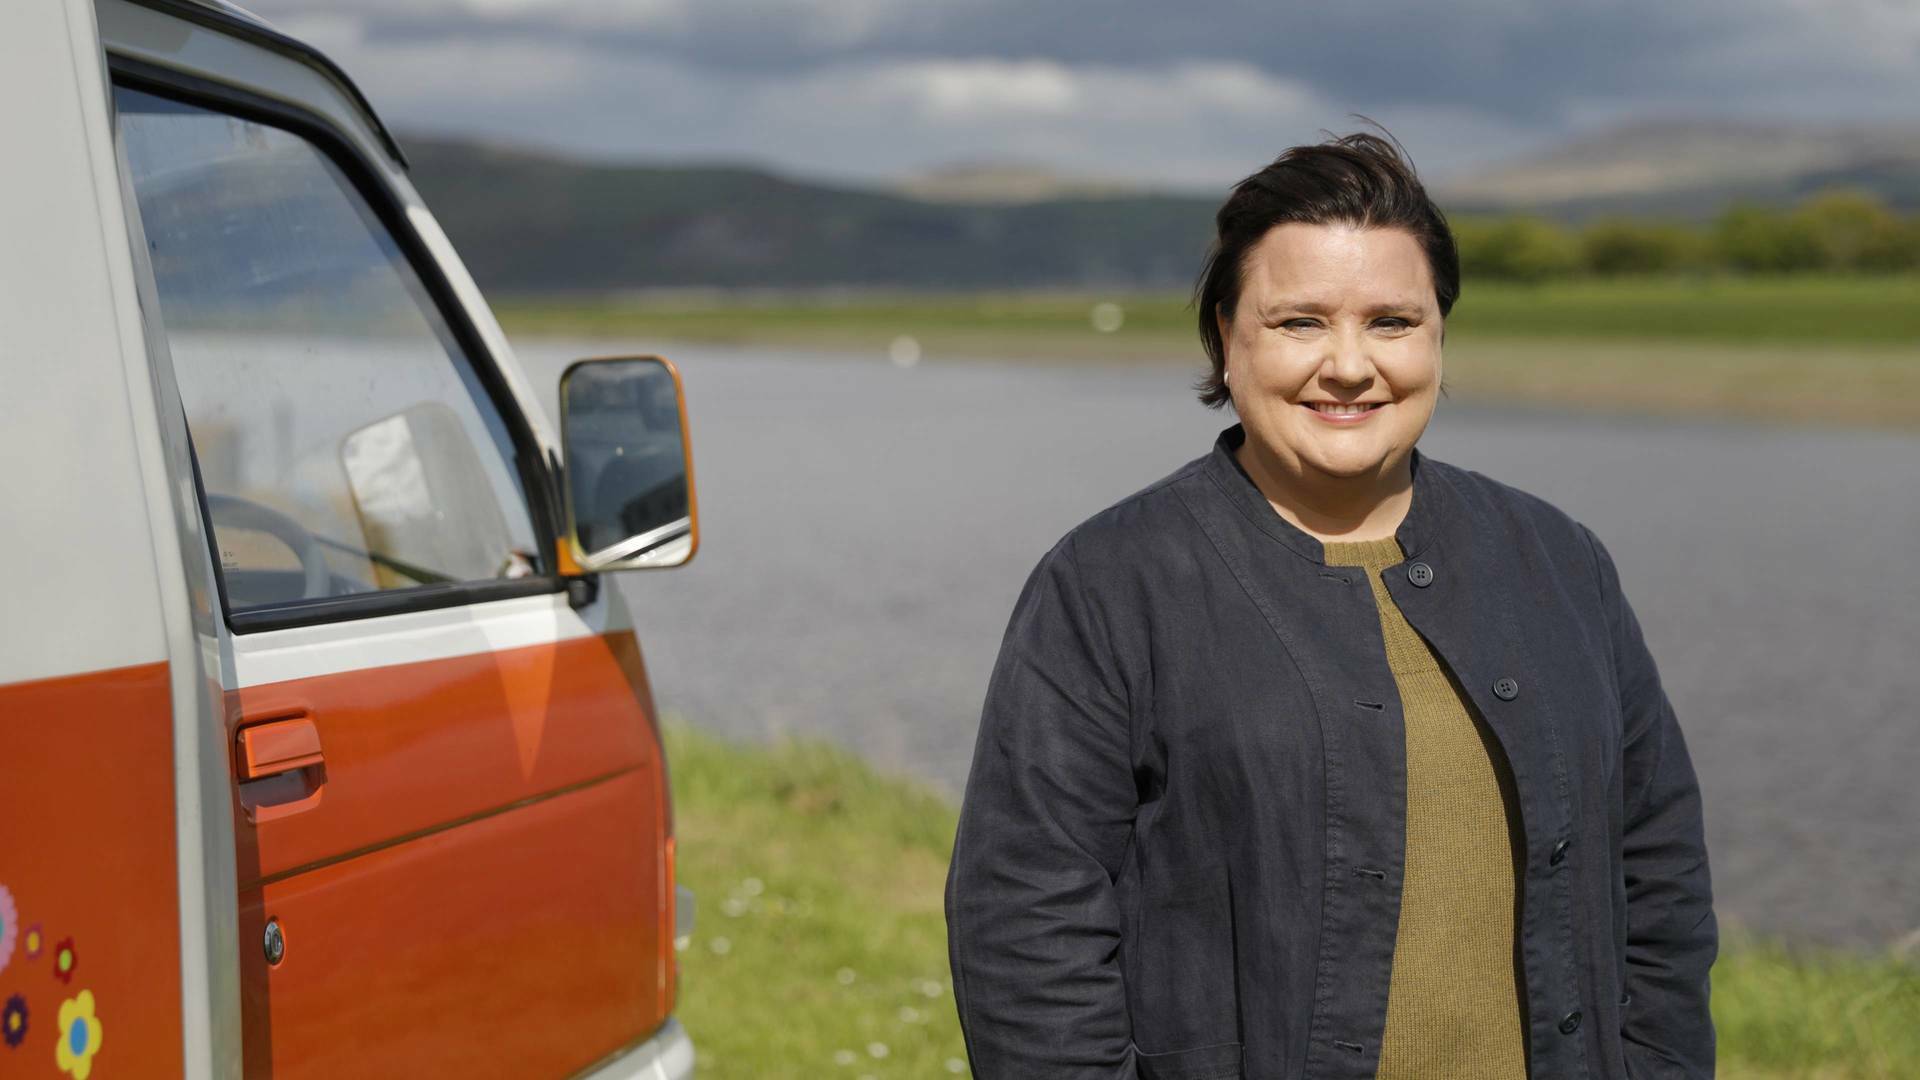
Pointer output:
1333, 413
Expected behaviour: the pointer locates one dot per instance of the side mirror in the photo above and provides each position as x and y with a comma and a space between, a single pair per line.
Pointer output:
629, 468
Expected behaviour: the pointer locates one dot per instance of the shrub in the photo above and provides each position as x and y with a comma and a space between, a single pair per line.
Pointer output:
1516, 249
1762, 240
1624, 246
1844, 225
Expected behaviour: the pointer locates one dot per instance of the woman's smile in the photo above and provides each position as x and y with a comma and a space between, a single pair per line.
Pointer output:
1345, 414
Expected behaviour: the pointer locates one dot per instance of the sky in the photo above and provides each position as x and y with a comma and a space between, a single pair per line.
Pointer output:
1181, 94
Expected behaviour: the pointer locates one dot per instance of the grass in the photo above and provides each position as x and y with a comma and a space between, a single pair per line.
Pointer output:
820, 944
1826, 349
1826, 310
1819, 310
1782, 1012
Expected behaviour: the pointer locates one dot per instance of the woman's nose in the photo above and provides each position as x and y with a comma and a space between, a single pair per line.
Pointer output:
1346, 361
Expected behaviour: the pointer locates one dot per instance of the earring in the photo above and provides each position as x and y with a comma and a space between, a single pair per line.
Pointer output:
1225, 376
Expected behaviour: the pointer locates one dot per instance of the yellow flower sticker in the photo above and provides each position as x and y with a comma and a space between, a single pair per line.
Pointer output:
79, 1036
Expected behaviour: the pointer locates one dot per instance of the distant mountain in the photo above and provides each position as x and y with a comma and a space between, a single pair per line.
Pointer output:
531, 222
526, 222
1691, 170
1006, 182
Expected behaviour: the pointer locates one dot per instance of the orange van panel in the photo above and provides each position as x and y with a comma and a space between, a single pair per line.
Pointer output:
89, 898
412, 747
522, 944
471, 879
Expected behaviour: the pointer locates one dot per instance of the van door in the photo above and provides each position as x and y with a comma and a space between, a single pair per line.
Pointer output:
449, 796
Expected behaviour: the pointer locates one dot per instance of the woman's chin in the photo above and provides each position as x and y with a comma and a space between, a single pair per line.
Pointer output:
1346, 461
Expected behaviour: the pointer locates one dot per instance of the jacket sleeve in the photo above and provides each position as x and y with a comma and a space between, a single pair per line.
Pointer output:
1672, 935
1033, 926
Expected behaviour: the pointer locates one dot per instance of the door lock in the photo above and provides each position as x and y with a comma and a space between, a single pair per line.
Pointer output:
274, 943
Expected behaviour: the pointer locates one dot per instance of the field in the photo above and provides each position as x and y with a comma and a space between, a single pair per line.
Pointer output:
820, 943
1830, 350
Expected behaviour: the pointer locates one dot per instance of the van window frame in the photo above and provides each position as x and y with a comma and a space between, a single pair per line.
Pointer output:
535, 470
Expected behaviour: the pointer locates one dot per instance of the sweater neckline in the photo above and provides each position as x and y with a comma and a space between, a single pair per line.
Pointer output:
1372, 554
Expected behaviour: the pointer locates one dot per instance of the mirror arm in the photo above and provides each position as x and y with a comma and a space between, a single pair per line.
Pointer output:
583, 591
556, 495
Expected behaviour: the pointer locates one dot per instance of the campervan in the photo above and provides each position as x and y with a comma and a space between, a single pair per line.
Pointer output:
326, 745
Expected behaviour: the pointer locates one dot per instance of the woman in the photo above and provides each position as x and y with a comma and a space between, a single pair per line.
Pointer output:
1320, 757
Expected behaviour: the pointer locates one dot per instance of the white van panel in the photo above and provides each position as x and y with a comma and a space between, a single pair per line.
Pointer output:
76, 559
300, 652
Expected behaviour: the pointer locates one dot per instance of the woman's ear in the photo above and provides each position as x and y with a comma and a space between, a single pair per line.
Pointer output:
1225, 326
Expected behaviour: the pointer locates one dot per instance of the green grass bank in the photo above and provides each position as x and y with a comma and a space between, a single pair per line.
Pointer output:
1821, 348
1724, 309
820, 943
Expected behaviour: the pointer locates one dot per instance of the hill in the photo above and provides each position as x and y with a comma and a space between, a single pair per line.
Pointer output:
529, 223
534, 223
1691, 170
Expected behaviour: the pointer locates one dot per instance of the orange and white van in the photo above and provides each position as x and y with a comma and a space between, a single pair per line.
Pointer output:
325, 750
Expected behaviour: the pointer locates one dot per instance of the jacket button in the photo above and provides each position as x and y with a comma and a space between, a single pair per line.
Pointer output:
1626, 1000
1420, 574
1559, 853
1506, 689
1570, 1023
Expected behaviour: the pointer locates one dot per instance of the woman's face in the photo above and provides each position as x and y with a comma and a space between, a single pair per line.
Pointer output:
1332, 315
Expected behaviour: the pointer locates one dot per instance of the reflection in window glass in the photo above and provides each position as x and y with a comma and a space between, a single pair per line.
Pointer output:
343, 440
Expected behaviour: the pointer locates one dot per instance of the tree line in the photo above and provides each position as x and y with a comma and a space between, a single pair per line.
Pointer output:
1839, 230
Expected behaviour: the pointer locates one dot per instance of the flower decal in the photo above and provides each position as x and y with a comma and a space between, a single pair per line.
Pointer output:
33, 940
79, 1036
9, 926
65, 959
13, 1022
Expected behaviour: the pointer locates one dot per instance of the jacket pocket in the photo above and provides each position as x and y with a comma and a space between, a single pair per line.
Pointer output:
1180, 975
1202, 1063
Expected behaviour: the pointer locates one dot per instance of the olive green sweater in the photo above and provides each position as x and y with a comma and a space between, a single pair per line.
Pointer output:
1455, 1004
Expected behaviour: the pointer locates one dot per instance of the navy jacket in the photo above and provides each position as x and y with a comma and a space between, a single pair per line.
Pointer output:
1181, 845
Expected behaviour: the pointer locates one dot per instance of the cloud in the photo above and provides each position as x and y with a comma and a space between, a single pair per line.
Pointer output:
1179, 93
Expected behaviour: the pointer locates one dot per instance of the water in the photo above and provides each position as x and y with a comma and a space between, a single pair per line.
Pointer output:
865, 529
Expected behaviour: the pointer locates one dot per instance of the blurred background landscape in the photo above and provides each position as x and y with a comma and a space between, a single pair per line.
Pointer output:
1710, 257
1650, 198
926, 271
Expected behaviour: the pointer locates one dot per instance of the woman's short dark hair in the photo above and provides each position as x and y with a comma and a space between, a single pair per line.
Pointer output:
1362, 180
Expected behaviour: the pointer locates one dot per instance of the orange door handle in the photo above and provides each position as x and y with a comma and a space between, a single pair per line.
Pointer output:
278, 746
281, 768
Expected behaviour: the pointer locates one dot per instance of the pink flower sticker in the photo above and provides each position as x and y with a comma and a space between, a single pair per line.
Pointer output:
9, 926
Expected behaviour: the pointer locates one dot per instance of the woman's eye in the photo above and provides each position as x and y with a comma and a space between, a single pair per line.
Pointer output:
1391, 323
1299, 324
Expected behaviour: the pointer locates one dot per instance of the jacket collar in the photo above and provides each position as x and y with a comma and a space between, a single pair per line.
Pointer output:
1416, 534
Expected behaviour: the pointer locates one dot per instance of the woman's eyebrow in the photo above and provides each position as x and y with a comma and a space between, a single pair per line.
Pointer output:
1303, 307
1403, 309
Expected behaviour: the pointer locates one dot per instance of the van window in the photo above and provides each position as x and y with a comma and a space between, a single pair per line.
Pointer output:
344, 442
